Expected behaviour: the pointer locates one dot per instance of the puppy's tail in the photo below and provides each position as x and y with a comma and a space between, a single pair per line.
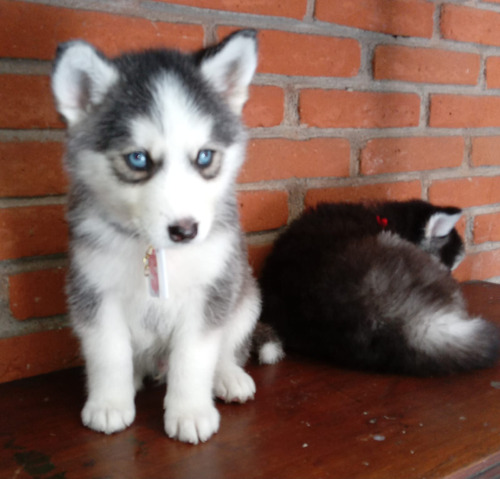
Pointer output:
266, 344
447, 342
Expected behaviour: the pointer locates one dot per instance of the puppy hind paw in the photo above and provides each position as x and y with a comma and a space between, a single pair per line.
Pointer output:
107, 416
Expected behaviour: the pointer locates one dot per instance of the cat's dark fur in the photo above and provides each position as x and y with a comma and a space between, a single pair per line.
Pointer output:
369, 286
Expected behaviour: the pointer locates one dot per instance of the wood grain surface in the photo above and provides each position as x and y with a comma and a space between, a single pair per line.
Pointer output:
308, 420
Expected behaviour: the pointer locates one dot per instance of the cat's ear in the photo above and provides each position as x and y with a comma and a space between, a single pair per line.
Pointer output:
441, 223
230, 65
81, 78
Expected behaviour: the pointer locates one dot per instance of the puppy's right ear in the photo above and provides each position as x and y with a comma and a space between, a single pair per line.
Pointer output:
81, 78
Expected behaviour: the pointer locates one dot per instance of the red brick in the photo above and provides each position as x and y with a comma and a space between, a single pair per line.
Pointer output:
290, 8
298, 60
485, 150
425, 65
346, 109
263, 210
487, 228
461, 226
27, 102
31, 30
37, 294
392, 155
403, 190
35, 166
278, 158
413, 18
479, 266
38, 353
257, 255
264, 107
467, 24
465, 192
464, 111
32, 231
493, 72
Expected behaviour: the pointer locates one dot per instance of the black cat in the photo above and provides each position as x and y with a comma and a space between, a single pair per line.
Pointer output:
369, 286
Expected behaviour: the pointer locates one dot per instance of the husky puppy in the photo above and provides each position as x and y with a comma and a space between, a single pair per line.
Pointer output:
369, 287
155, 143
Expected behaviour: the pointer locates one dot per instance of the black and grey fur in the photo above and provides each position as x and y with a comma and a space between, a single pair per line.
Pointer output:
369, 286
155, 143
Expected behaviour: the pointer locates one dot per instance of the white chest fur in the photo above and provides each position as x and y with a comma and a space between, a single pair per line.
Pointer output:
117, 271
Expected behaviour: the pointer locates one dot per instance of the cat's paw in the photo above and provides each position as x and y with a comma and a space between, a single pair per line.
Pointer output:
232, 384
193, 425
108, 416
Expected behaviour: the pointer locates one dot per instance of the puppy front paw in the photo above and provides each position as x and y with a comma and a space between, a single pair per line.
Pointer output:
108, 416
232, 384
193, 425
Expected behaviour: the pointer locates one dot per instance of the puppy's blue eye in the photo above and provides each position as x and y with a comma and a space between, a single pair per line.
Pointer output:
204, 158
138, 160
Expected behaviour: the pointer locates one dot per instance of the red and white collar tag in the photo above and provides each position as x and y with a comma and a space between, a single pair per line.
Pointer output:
155, 271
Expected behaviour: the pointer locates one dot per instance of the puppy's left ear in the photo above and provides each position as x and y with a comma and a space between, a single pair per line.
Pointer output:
229, 66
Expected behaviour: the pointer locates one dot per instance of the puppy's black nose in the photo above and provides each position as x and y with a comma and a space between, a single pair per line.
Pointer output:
183, 230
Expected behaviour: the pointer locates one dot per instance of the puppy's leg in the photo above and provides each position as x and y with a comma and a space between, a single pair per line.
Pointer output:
231, 382
190, 414
108, 359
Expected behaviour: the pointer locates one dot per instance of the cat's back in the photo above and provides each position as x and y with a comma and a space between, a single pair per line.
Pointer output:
318, 263
324, 228
339, 220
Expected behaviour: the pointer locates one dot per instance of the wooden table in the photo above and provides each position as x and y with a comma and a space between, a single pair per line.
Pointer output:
308, 420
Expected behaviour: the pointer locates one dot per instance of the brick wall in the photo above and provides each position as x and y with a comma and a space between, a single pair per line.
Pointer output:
353, 99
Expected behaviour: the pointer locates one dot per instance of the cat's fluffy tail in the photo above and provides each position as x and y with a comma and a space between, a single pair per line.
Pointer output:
446, 342
440, 343
267, 345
